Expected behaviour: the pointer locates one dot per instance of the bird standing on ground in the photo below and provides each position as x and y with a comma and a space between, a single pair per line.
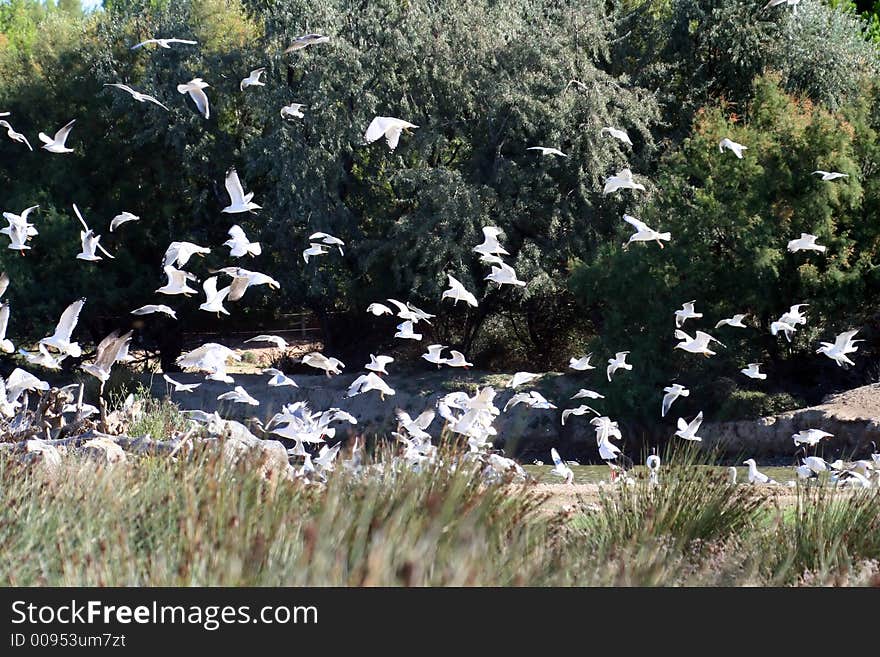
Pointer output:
560, 469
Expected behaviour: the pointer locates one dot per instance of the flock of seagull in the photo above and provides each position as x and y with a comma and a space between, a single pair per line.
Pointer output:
471, 416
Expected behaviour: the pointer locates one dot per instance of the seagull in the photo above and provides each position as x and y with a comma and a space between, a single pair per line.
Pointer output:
367, 382
15, 136
162, 43
195, 90
109, 350
377, 364
583, 409
214, 298
457, 360
176, 284
314, 250
686, 313
57, 144
238, 395
278, 341
731, 145
547, 151
805, 242
279, 378
239, 244
736, 320
560, 469
688, 431
584, 393
242, 279
388, 127
521, 378
673, 392
305, 41
581, 364
90, 241
211, 357
794, 315
826, 175
18, 236
43, 358
699, 344
653, 465
504, 275
644, 233
785, 327
20, 222
405, 331
623, 180
843, 345
329, 240
319, 361
239, 201
180, 387
457, 292
253, 80
60, 339
410, 312
433, 354
617, 134
154, 308
756, 477
294, 110
752, 371
378, 309
490, 245
179, 253
810, 437
6, 345
122, 218
532, 399
616, 363
138, 96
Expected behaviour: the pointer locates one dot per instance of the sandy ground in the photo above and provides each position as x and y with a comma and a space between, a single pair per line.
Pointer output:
863, 402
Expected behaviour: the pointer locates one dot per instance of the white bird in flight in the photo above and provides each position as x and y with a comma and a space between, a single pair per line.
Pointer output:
15, 136
57, 144
90, 241
306, 40
699, 344
622, 180
177, 386
240, 245
154, 308
584, 393
583, 409
805, 242
457, 360
616, 363
388, 127
137, 95
843, 345
195, 89
644, 233
214, 298
6, 345
405, 331
433, 354
547, 151
367, 382
61, 338
314, 250
179, 253
176, 284
732, 146
294, 110
279, 379
238, 395
686, 313
673, 392
490, 245
617, 134
688, 430
830, 175
377, 364
811, 437
560, 469
239, 201
457, 292
504, 274
581, 364
277, 340
736, 321
327, 239
110, 350
319, 361
163, 43
253, 80
521, 378
753, 371
379, 309
122, 218
19, 222
243, 279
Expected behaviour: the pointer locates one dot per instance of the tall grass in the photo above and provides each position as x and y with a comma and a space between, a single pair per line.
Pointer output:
200, 521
